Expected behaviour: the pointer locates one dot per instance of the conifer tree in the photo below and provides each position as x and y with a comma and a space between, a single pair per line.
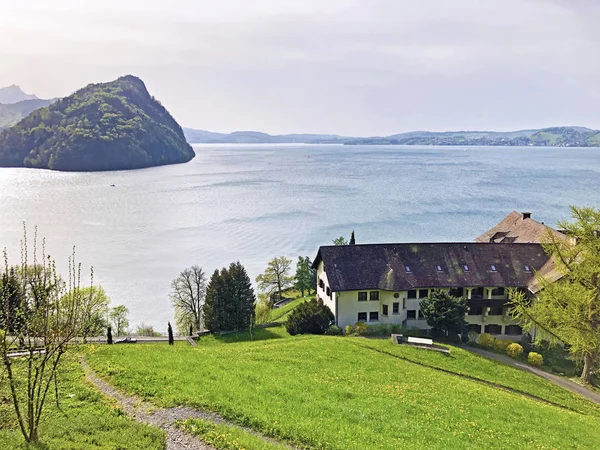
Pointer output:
109, 338
352, 240
170, 331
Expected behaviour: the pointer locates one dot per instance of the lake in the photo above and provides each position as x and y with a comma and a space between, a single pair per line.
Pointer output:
254, 202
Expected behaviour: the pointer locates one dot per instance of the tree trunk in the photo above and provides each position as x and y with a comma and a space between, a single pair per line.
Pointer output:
588, 366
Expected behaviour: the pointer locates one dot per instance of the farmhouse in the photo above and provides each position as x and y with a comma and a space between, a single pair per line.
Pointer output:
383, 283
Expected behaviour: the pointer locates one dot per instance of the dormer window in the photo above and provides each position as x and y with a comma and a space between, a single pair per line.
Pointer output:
527, 268
438, 268
466, 268
407, 268
493, 267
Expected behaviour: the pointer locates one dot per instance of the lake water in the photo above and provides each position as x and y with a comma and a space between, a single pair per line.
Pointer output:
254, 202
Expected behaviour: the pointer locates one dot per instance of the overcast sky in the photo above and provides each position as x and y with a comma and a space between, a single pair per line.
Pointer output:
354, 67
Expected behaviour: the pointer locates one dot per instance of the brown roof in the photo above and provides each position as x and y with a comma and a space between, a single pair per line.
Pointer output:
518, 228
384, 266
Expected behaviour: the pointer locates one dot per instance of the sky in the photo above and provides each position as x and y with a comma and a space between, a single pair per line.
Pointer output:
350, 67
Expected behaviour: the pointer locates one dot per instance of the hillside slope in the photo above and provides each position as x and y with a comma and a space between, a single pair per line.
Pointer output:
106, 126
14, 94
12, 113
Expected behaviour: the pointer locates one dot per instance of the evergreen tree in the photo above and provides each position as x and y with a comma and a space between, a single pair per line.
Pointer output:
352, 240
191, 330
444, 312
170, 331
310, 317
303, 275
109, 339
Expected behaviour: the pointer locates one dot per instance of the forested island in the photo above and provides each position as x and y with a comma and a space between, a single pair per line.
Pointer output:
105, 126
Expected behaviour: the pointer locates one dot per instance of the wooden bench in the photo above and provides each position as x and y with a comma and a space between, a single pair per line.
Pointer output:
419, 343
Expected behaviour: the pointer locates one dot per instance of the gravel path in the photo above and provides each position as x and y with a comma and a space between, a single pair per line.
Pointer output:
177, 439
567, 384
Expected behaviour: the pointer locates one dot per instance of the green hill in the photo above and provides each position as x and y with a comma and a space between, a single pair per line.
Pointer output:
12, 113
106, 126
321, 392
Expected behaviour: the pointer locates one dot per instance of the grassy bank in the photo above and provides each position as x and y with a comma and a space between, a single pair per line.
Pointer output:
350, 393
86, 420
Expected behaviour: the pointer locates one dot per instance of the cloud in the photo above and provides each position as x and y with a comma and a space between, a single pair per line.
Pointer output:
360, 67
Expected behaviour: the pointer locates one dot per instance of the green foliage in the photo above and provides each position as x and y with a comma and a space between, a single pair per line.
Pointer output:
11, 114
333, 330
107, 126
230, 299
95, 309
227, 437
311, 317
146, 330
535, 359
119, 319
305, 275
348, 330
500, 345
472, 336
170, 333
330, 393
486, 340
276, 277
444, 312
567, 308
340, 241
514, 350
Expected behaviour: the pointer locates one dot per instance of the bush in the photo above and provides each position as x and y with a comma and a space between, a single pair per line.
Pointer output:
311, 317
514, 350
348, 330
360, 328
535, 359
486, 340
501, 345
333, 330
472, 336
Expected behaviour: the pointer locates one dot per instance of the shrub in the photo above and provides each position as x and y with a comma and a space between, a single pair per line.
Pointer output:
502, 344
333, 330
535, 359
486, 340
311, 317
348, 330
472, 336
361, 328
514, 350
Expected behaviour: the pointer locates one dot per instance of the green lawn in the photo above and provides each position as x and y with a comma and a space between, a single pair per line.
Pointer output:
87, 420
280, 314
351, 393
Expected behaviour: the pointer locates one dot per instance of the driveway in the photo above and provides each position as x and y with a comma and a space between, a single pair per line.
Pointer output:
563, 382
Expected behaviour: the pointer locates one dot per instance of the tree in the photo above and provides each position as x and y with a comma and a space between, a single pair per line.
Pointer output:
187, 296
309, 317
170, 332
276, 277
304, 275
340, 241
444, 312
119, 318
95, 308
109, 339
230, 299
352, 239
42, 314
146, 330
567, 308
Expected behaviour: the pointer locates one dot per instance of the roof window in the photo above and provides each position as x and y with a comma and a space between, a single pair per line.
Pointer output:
407, 268
527, 268
493, 267
466, 268
438, 268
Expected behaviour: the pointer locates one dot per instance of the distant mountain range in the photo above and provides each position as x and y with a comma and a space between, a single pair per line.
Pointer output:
14, 94
543, 137
16, 105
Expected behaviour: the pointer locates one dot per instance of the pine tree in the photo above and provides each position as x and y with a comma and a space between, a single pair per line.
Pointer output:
352, 240
170, 331
191, 330
109, 339
303, 275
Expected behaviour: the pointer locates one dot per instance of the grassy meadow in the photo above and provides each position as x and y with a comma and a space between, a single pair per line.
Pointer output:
85, 421
326, 392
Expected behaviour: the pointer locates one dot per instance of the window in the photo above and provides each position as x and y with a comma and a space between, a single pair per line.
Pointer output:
438, 268
423, 293
466, 268
374, 295
411, 314
328, 292
362, 296
373, 316
412, 294
396, 295
498, 291
395, 308
496, 311
403, 303
321, 284
474, 327
362, 316
475, 311
407, 268
527, 268
493, 268
493, 329
478, 292
384, 310
457, 292
513, 330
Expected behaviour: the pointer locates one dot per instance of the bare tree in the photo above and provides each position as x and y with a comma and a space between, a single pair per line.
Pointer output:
187, 296
41, 315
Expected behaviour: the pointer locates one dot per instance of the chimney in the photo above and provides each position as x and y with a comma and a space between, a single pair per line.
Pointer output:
526, 215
